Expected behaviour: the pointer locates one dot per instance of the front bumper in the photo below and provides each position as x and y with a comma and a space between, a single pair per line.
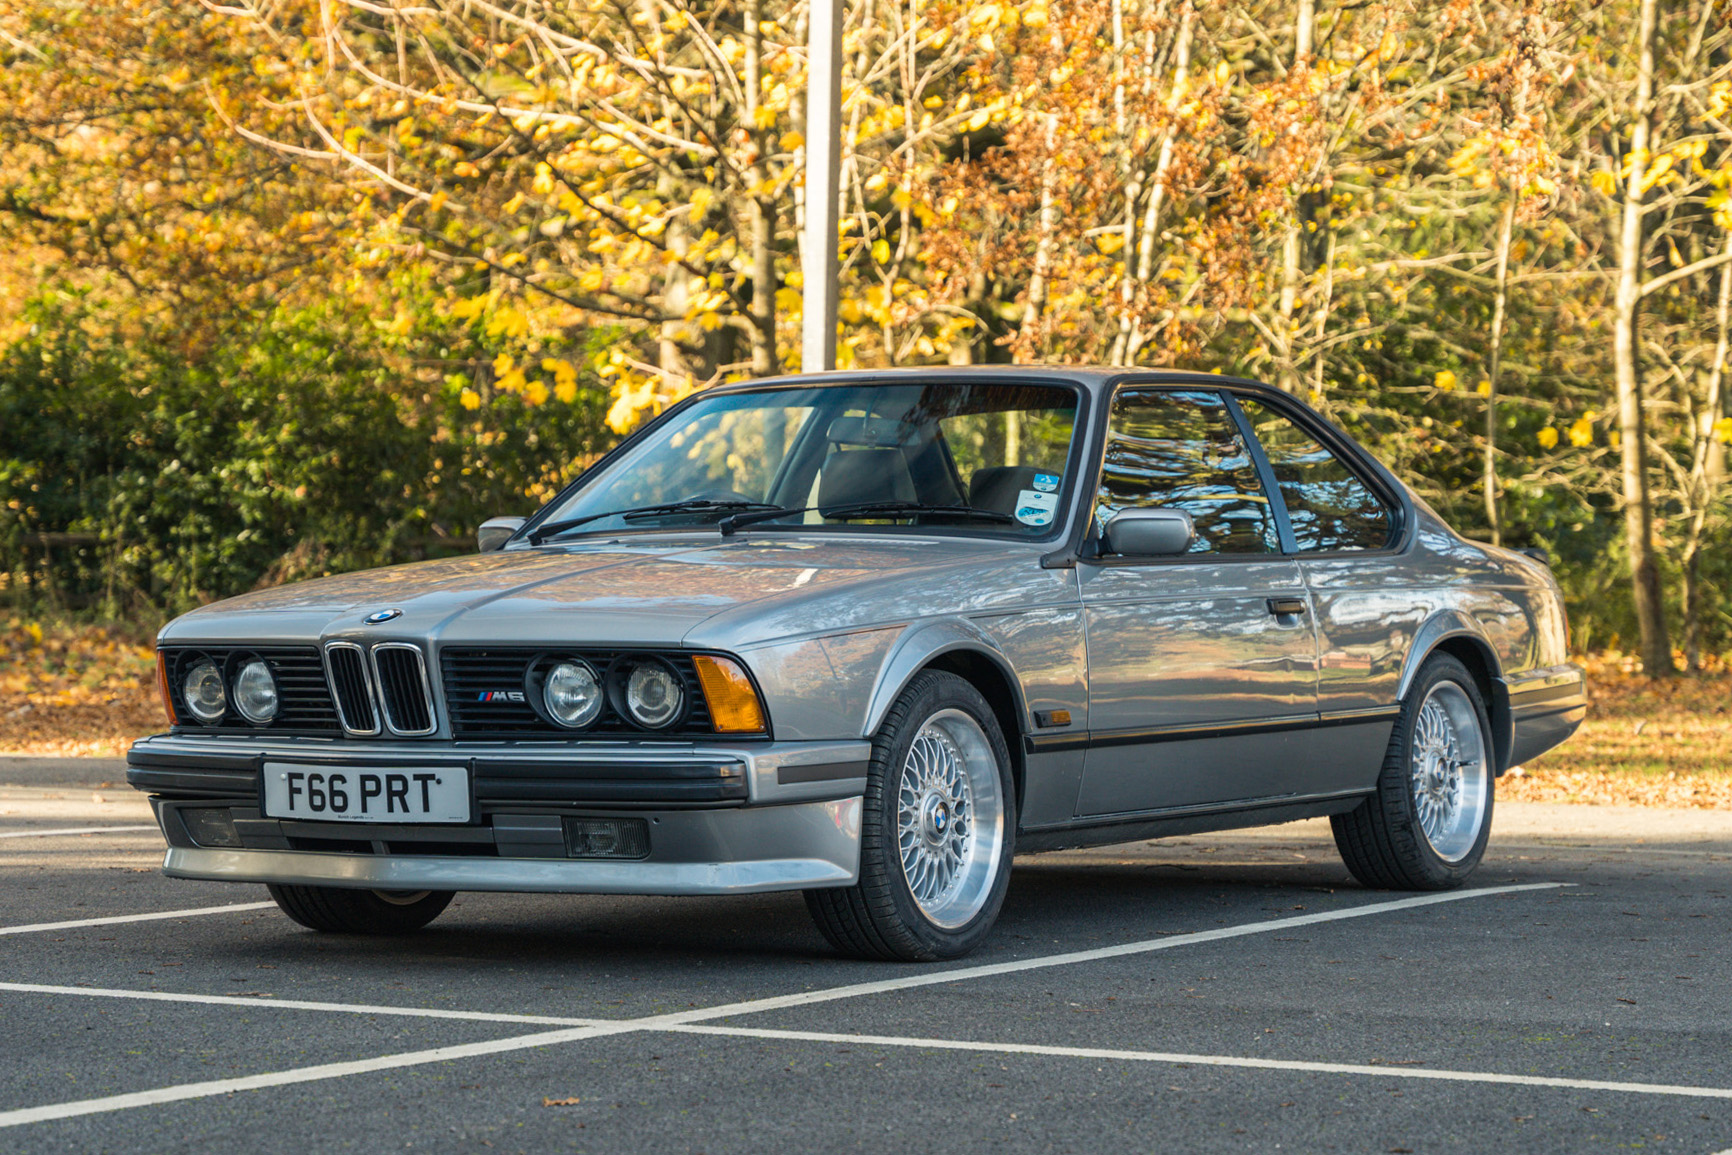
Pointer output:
719, 818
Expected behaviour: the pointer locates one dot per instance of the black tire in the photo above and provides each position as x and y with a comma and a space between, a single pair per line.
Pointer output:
879, 917
1383, 840
338, 910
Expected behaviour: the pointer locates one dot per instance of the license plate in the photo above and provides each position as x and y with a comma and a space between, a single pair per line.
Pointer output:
353, 794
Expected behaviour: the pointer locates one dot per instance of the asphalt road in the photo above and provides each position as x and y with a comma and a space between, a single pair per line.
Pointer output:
1218, 993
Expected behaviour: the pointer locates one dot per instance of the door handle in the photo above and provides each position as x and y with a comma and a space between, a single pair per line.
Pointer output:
1279, 606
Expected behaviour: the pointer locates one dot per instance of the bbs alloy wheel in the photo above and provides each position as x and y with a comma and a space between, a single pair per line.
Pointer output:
1426, 825
937, 830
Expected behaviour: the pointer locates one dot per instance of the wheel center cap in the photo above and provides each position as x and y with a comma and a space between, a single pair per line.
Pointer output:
935, 817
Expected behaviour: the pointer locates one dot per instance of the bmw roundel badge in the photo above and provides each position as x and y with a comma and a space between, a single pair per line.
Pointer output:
382, 616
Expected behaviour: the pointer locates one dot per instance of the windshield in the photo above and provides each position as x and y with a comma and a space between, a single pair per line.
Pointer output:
967, 458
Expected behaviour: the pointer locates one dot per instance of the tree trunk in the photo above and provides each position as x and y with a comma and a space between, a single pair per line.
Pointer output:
1708, 469
1034, 312
1287, 373
1656, 645
1163, 165
761, 210
1499, 303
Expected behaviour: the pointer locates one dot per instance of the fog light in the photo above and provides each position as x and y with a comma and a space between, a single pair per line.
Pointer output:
606, 838
210, 826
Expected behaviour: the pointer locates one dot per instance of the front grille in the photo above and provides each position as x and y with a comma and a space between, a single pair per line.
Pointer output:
349, 682
304, 700
403, 688
486, 695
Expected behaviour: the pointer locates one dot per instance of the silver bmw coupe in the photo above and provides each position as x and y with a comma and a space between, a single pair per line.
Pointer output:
868, 636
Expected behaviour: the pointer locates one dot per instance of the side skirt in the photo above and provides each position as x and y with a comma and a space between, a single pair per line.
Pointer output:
1108, 829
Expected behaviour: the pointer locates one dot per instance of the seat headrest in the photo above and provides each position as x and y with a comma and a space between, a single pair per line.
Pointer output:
876, 432
856, 475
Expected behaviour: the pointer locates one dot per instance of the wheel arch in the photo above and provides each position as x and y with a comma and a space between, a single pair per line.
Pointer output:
960, 648
1459, 636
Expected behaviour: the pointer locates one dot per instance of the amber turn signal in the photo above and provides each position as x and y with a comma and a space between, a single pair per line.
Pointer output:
734, 706
162, 687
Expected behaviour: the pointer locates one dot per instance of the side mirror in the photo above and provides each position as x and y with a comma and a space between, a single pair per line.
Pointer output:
496, 531
1150, 532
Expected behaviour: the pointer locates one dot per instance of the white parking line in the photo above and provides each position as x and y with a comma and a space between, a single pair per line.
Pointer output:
1441, 1075
77, 830
683, 1018
928, 978
299, 1075
34, 928
301, 1005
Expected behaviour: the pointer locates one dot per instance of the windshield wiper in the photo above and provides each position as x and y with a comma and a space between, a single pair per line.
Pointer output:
887, 509
696, 505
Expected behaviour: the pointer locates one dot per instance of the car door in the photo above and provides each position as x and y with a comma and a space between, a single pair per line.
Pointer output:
1366, 603
1202, 667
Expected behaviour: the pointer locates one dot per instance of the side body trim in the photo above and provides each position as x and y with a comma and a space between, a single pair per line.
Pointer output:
1047, 743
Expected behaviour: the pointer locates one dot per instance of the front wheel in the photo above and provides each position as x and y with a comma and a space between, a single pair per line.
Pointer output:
937, 831
1427, 825
338, 910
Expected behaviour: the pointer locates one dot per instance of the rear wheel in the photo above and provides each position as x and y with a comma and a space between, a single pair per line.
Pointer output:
937, 831
338, 910
1427, 825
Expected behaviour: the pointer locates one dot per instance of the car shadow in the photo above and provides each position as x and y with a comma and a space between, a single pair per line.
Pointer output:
1060, 904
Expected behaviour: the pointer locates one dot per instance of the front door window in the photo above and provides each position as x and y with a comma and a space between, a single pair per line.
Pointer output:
1181, 449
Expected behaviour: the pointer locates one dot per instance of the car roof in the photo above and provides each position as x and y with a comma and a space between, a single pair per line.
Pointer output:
1097, 379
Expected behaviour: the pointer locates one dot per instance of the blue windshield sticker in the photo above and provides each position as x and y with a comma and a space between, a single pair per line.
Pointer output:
1046, 482
1036, 508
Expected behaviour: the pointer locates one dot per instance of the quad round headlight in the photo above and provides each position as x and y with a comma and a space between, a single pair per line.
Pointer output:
572, 694
202, 690
653, 695
256, 693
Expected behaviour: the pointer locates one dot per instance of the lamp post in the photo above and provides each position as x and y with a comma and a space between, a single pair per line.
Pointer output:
823, 194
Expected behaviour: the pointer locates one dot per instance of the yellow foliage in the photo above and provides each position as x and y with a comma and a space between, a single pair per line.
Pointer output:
1548, 438
470, 398
1723, 430
1582, 431
507, 322
1444, 379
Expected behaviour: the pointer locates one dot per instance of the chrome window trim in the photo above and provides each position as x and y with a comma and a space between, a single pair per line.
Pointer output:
378, 687
367, 677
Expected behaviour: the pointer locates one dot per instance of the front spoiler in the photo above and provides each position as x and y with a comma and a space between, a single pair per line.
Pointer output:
740, 851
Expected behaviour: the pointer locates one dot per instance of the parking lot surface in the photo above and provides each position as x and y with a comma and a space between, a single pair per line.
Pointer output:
1233, 992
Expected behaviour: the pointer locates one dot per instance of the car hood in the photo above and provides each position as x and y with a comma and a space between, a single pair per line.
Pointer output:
610, 593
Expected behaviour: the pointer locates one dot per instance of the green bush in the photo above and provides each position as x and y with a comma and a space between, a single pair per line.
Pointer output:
290, 445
